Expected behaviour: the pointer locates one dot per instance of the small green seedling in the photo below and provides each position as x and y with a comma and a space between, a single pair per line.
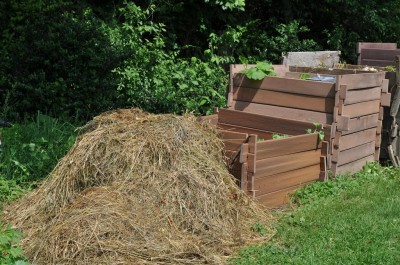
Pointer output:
260, 140
304, 76
258, 72
390, 68
317, 129
276, 136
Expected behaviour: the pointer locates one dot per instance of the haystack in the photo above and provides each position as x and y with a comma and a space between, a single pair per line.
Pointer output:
138, 188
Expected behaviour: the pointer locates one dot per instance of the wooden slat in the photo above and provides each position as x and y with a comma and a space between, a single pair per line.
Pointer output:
376, 45
289, 85
379, 63
290, 100
280, 164
209, 119
360, 95
360, 109
281, 181
361, 123
352, 167
385, 99
291, 145
344, 142
234, 128
282, 112
324, 71
244, 152
233, 145
278, 198
358, 81
353, 154
379, 54
265, 123
377, 154
230, 135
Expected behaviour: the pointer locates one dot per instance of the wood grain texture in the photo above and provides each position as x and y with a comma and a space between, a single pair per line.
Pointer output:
266, 135
288, 85
278, 198
271, 183
358, 81
360, 95
375, 45
380, 54
290, 100
352, 167
356, 153
344, 142
280, 164
361, 123
282, 112
263, 123
359, 109
291, 145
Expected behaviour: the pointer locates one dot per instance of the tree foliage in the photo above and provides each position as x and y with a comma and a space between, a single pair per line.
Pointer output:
81, 58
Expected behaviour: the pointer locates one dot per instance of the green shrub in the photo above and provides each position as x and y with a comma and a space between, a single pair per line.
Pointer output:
157, 80
10, 253
55, 58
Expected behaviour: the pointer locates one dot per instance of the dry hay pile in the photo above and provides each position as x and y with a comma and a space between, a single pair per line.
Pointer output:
137, 188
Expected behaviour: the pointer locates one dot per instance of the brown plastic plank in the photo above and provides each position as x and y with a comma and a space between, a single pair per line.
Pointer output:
353, 154
230, 135
324, 71
379, 54
358, 81
386, 83
378, 63
266, 135
244, 152
352, 167
280, 164
344, 142
359, 109
290, 100
209, 119
278, 198
377, 154
264, 123
291, 145
385, 99
282, 112
233, 145
360, 95
360, 123
376, 45
288, 85
271, 183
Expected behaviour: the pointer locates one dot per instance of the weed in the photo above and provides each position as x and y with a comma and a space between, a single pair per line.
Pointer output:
276, 136
304, 76
317, 129
10, 252
258, 72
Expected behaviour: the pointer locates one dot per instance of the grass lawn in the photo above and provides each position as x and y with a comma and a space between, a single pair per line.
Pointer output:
347, 221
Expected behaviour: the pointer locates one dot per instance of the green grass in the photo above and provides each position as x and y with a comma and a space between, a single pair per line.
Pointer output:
31, 150
346, 221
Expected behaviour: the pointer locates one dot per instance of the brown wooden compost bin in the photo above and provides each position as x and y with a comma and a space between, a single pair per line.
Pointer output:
270, 169
351, 106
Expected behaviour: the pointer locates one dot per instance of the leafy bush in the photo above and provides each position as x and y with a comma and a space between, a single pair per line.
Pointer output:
55, 57
10, 253
157, 80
